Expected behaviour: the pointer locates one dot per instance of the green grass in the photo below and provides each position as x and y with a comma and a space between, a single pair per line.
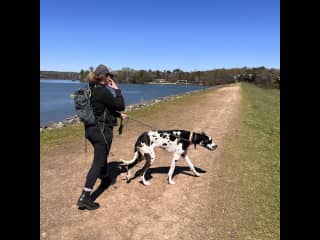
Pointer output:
59, 136
253, 155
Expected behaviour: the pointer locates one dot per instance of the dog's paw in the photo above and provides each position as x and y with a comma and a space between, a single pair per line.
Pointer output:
146, 183
172, 182
196, 174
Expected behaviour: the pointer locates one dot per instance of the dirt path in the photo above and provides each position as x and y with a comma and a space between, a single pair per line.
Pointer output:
193, 208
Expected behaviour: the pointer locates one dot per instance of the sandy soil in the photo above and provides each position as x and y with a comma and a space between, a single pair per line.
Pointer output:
193, 208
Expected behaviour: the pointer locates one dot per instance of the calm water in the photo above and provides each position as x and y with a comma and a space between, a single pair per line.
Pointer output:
56, 103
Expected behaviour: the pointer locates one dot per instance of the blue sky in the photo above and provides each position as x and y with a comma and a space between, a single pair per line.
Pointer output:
159, 34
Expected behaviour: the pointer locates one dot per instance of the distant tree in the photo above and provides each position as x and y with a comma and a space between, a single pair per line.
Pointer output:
148, 76
168, 73
199, 76
277, 82
265, 78
82, 75
158, 74
191, 78
138, 77
86, 74
176, 71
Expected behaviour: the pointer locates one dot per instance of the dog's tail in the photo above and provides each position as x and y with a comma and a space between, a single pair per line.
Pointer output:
135, 158
129, 164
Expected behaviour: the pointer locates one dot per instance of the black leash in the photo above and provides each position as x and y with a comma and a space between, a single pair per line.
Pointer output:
122, 124
147, 125
142, 123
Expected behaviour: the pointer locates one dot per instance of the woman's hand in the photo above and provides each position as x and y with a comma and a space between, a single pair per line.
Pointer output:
112, 83
124, 116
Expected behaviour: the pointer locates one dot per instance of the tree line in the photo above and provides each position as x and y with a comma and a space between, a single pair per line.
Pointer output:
59, 75
260, 75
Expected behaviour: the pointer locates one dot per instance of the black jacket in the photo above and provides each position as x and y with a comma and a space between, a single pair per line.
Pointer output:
102, 99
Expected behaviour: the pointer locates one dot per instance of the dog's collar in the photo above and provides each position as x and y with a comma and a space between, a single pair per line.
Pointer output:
191, 137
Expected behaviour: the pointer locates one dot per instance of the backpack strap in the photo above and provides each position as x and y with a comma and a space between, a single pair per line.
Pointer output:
97, 118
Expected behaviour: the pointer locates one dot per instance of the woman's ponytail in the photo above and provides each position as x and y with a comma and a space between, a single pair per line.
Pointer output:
91, 77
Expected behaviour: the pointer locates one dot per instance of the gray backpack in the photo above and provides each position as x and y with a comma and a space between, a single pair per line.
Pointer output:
83, 107
82, 103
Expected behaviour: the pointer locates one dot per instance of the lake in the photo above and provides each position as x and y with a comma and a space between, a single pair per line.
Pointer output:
56, 103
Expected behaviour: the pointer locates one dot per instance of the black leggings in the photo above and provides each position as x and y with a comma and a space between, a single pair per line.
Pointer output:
101, 148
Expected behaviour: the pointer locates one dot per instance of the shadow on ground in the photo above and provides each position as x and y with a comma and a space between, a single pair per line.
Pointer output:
115, 169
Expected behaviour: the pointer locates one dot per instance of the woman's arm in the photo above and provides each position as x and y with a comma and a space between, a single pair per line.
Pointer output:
113, 103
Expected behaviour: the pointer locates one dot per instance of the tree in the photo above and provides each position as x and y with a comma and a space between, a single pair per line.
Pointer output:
198, 78
158, 74
168, 74
265, 79
82, 75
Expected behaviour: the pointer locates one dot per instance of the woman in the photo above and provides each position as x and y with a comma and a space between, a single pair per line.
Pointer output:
105, 107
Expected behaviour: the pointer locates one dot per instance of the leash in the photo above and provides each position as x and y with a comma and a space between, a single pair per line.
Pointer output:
121, 126
149, 126
142, 123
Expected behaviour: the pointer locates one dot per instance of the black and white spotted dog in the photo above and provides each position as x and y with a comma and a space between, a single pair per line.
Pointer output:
175, 141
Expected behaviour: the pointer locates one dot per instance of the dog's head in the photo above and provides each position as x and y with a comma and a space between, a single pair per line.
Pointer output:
205, 140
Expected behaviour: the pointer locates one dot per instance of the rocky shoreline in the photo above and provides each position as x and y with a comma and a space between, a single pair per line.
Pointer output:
75, 120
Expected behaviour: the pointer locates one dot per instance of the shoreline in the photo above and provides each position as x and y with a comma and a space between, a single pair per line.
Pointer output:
73, 120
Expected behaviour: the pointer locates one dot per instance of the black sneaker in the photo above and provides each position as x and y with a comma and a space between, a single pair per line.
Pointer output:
85, 202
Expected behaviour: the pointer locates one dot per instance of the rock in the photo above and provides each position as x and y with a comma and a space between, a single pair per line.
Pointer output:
49, 125
66, 122
59, 125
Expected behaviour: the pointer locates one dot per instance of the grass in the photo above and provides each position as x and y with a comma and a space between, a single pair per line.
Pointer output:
59, 136
253, 154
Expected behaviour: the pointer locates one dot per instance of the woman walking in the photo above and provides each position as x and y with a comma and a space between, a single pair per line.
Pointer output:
106, 109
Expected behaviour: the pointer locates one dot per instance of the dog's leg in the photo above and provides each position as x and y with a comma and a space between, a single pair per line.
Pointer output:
135, 158
173, 165
187, 159
152, 155
145, 168
128, 176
